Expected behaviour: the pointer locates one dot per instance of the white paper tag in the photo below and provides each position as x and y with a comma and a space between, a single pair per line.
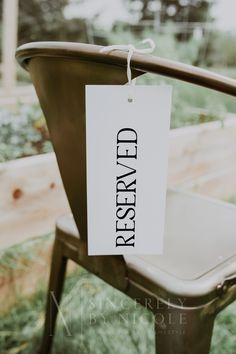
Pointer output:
127, 160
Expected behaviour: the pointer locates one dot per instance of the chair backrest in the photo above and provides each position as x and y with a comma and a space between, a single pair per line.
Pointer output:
60, 71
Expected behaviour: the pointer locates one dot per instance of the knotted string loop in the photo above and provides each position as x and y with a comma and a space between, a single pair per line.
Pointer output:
131, 49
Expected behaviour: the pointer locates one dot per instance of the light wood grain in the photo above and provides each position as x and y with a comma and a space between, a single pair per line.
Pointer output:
32, 198
201, 159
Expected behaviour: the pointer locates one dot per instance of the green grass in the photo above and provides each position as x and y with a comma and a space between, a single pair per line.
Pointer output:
232, 200
100, 320
192, 105
18, 257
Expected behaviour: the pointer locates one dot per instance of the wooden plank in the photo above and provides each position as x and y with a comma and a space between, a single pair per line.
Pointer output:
31, 198
201, 159
201, 150
220, 185
9, 44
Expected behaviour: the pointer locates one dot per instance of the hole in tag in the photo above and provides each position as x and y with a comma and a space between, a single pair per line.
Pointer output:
130, 100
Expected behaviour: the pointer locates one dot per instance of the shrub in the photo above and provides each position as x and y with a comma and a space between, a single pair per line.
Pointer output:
23, 133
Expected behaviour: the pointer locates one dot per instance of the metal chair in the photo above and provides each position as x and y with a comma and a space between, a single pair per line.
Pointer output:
196, 276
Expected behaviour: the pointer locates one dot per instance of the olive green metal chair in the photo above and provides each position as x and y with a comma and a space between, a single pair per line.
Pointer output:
195, 278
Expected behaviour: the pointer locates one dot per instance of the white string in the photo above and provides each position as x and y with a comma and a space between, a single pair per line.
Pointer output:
131, 49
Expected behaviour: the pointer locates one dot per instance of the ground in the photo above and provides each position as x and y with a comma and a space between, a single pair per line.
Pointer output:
99, 320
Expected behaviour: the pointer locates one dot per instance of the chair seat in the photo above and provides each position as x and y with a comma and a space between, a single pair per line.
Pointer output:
199, 246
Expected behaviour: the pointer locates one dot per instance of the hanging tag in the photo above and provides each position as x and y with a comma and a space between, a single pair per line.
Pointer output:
127, 159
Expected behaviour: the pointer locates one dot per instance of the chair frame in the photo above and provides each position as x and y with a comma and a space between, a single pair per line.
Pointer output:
53, 67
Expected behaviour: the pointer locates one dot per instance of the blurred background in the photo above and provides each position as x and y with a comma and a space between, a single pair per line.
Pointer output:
202, 158
197, 32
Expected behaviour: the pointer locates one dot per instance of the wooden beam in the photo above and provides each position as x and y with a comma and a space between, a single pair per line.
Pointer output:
32, 197
9, 44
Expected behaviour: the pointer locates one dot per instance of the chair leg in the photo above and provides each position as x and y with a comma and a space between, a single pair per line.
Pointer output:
57, 275
183, 331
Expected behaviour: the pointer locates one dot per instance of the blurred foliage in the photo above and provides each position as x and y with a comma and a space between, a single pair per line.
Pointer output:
43, 20
23, 133
39, 19
191, 104
18, 257
100, 319
221, 49
232, 200
167, 46
178, 11
186, 10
